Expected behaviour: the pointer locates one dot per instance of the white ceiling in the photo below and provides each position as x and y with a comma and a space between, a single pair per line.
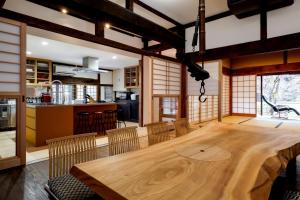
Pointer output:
72, 54
183, 11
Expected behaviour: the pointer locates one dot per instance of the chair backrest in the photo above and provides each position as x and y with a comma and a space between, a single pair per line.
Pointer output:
67, 151
270, 104
158, 132
123, 140
181, 127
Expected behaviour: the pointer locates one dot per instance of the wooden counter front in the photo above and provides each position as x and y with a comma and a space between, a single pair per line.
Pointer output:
53, 121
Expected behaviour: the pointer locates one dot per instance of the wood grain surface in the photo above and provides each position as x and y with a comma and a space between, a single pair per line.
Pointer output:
258, 156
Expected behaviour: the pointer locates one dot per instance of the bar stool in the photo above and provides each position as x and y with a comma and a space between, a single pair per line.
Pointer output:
109, 119
120, 120
98, 122
83, 123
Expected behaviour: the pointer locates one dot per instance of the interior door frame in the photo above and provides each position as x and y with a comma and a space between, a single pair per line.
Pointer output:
20, 158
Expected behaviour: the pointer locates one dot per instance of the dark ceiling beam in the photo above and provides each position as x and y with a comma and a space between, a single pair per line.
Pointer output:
117, 16
56, 28
156, 12
207, 19
2, 2
280, 43
129, 4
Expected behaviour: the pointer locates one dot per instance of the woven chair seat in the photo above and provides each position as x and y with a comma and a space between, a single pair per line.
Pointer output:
68, 187
292, 195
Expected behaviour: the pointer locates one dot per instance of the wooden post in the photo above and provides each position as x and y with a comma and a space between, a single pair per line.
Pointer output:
129, 4
99, 28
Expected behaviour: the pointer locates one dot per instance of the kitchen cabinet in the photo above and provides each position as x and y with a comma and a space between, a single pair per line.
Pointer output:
38, 71
131, 77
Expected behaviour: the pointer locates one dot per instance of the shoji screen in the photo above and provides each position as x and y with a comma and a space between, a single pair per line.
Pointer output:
202, 112
166, 77
244, 95
226, 96
12, 92
10, 58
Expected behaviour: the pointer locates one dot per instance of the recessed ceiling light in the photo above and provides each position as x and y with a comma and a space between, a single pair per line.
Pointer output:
28, 52
44, 43
65, 11
114, 57
107, 25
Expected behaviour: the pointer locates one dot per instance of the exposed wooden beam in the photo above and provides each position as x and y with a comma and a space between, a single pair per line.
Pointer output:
2, 2
99, 28
116, 15
129, 4
56, 28
263, 21
156, 12
280, 43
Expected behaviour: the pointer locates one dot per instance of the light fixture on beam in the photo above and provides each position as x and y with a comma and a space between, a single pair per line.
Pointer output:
65, 11
107, 25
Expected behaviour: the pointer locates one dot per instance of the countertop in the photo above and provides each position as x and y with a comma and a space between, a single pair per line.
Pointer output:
61, 105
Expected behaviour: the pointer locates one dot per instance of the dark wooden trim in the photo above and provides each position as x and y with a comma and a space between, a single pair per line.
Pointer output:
106, 85
263, 22
129, 5
56, 28
2, 2
290, 68
280, 43
243, 115
156, 12
207, 20
141, 96
76, 80
226, 71
117, 16
285, 57
230, 95
99, 28
183, 92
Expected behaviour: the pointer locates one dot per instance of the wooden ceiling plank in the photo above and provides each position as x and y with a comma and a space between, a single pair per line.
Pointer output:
56, 28
117, 16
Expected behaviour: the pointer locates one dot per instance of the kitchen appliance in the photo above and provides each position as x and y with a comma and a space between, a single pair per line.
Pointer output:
46, 98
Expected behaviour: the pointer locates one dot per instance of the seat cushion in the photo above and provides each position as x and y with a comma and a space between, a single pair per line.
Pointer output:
292, 195
68, 187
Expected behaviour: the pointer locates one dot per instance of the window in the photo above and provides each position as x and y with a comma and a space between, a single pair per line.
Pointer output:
92, 91
79, 92
62, 93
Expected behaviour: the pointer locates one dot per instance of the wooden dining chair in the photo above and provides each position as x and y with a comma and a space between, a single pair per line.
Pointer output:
123, 140
63, 154
158, 132
182, 127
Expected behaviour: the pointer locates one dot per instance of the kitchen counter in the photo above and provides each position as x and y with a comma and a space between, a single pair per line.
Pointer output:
48, 121
41, 105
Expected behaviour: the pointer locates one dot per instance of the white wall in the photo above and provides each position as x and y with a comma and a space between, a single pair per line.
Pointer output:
211, 84
106, 78
227, 31
284, 21
34, 10
118, 80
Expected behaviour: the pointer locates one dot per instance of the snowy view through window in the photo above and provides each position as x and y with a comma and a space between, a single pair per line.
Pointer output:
279, 90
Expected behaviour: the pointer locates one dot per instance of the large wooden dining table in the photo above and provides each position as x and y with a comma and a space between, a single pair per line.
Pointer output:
218, 161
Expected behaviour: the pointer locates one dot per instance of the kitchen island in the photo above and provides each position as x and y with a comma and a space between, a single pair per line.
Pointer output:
48, 121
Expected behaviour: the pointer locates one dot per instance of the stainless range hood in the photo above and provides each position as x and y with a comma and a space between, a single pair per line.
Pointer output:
90, 64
